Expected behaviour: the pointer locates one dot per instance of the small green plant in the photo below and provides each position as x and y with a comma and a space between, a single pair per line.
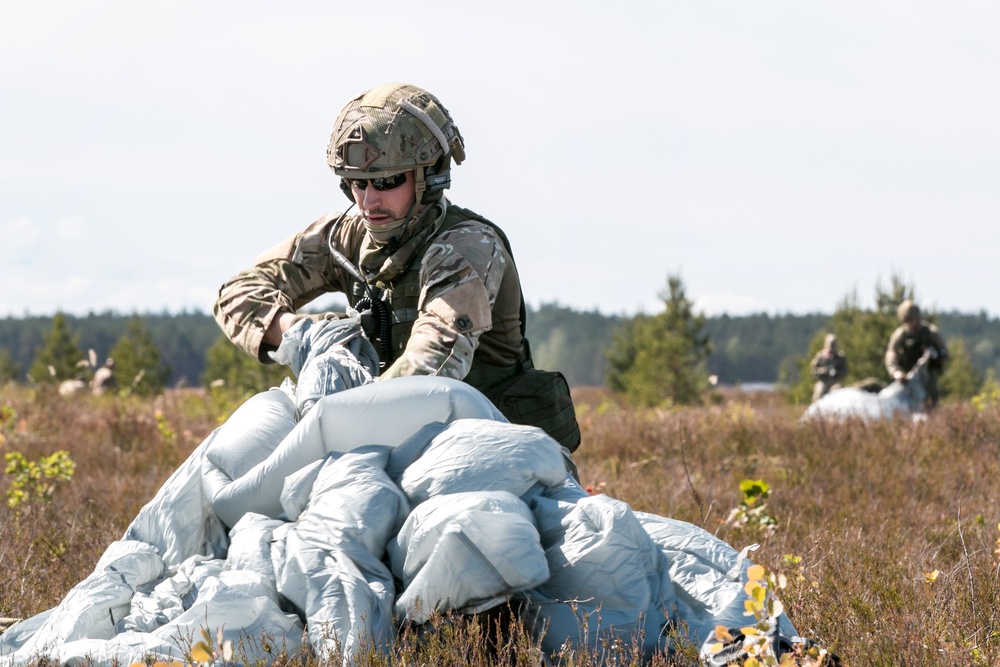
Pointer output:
8, 420
990, 395
36, 479
167, 432
752, 510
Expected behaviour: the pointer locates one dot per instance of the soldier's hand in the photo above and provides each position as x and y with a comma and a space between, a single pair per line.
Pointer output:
900, 377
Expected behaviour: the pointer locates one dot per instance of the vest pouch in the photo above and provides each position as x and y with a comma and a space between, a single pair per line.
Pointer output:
539, 398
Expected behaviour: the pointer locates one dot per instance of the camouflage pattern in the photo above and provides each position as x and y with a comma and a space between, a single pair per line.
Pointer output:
390, 129
829, 367
905, 348
395, 128
468, 295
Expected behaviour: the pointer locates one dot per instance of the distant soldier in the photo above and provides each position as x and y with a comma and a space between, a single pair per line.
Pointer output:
829, 367
104, 378
907, 345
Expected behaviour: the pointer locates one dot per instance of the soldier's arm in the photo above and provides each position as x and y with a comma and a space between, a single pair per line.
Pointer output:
254, 307
460, 278
938, 340
892, 356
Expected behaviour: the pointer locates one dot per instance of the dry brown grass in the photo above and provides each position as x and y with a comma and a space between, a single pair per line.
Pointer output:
870, 509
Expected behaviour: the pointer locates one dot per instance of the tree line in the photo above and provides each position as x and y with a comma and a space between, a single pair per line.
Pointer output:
738, 349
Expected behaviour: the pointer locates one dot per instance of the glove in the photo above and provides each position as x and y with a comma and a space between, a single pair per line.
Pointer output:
326, 356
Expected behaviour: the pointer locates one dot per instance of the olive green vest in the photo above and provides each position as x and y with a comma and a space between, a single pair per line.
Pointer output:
911, 346
403, 296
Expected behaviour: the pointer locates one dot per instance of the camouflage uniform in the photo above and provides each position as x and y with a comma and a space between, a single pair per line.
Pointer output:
905, 348
454, 266
829, 369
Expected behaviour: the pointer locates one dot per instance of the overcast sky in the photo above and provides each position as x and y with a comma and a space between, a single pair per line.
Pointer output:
776, 155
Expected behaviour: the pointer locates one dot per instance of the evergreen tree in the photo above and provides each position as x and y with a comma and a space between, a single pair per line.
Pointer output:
660, 359
9, 371
139, 367
59, 358
960, 379
229, 366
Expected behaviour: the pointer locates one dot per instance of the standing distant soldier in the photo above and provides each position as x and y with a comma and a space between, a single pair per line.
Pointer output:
435, 283
908, 344
829, 367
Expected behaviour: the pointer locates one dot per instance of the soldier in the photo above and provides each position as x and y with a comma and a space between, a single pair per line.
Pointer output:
435, 283
829, 367
908, 344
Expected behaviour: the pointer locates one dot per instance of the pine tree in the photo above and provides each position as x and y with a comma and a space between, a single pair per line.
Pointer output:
960, 380
139, 367
9, 371
235, 370
660, 359
59, 358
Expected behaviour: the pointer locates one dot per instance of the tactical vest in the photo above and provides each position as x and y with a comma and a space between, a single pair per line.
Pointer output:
522, 393
402, 295
911, 345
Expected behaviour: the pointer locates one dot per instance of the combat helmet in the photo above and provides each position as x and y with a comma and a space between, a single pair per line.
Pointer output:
908, 311
392, 129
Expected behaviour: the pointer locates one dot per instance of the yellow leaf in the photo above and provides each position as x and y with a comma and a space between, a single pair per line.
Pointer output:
722, 633
715, 648
200, 653
931, 577
749, 631
751, 662
756, 573
777, 609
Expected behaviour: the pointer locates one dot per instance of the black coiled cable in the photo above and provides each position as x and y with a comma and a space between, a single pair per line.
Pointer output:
383, 320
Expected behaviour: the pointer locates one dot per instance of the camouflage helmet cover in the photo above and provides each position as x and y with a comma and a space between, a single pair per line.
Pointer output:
908, 311
391, 129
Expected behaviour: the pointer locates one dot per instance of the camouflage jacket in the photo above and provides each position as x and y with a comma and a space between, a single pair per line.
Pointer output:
829, 368
456, 270
906, 347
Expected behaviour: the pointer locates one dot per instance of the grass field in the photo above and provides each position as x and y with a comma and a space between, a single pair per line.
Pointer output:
887, 532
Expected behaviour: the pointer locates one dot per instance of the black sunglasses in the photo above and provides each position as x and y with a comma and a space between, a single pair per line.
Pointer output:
381, 184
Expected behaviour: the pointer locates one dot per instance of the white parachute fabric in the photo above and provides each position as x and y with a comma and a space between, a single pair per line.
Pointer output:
897, 399
284, 528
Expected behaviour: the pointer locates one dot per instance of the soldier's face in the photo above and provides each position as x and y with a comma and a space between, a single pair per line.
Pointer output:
381, 207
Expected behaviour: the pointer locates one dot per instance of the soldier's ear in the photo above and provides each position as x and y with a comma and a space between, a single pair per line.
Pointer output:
345, 187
